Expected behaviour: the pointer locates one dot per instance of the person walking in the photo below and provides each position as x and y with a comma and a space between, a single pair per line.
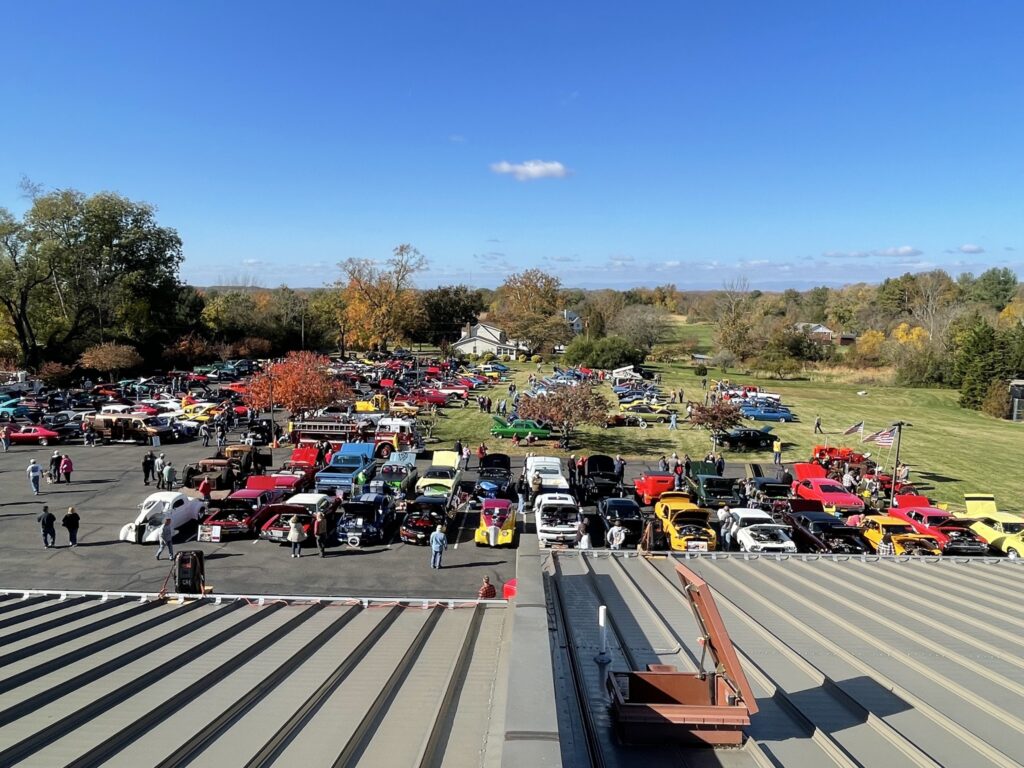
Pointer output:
204, 433
71, 521
296, 535
672, 420
204, 488
521, 490
46, 522
158, 470
5, 437
54, 471
148, 462
777, 450
487, 590
320, 531
35, 475
169, 476
817, 426
720, 465
166, 540
438, 544
66, 468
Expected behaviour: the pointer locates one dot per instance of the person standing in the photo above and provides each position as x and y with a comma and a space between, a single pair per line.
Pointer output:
438, 544
817, 426
320, 531
71, 521
169, 476
204, 433
886, 547
582, 534
158, 470
46, 522
777, 450
521, 490
487, 590
536, 486
166, 540
35, 475
672, 420
620, 468
465, 457
726, 521
296, 535
55, 467
148, 462
458, 448
204, 488
5, 437
616, 535
572, 471
66, 468
720, 465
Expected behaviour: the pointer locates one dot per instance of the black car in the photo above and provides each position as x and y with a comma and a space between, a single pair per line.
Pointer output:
367, 520
625, 512
494, 479
598, 479
769, 493
818, 531
746, 439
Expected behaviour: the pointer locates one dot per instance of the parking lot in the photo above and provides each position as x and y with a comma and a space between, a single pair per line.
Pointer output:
106, 489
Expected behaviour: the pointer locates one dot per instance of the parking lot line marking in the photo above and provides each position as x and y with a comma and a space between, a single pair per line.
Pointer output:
458, 535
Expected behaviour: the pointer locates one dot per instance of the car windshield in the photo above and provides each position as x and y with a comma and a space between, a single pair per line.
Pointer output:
718, 485
623, 511
548, 470
775, 490
831, 488
440, 473
896, 530
1013, 527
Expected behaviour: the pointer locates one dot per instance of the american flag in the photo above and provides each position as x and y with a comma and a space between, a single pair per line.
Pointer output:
858, 427
886, 438
870, 438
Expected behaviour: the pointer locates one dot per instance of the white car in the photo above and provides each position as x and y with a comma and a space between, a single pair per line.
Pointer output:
550, 470
158, 507
756, 531
557, 518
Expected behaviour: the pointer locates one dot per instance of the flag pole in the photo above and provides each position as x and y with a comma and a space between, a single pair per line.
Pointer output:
899, 439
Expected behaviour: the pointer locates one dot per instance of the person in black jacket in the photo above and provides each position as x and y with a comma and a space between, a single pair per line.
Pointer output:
148, 466
71, 521
47, 521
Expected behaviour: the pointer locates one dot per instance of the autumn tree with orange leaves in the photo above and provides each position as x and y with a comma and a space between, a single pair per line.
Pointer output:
300, 382
380, 299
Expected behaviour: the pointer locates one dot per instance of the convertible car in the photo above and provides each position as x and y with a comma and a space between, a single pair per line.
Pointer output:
520, 428
157, 507
497, 524
904, 538
303, 506
624, 420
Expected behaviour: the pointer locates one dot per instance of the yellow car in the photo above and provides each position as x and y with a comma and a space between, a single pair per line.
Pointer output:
1002, 531
671, 503
497, 524
689, 531
649, 411
905, 540
442, 477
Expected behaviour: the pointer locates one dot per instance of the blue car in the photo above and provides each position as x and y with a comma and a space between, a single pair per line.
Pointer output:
767, 413
14, 408
345, 466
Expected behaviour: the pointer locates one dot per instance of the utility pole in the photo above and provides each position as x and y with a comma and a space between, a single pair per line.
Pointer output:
898, 426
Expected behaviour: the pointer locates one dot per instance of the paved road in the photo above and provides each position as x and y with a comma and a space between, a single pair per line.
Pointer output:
106, 489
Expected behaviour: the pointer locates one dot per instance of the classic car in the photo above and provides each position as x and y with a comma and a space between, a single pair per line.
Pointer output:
351, 460
366, 520
830, 493
689, 530
222, 474
904, 538
15, 408
494, 478
598, 479
520, 428
650, 485
557, 518
712, 491
550, 470
672, 502
303, 506
766, 413
624, 420
625, 512
399, 471
954, 536
815, 530
34, 436
648, 411
1002, 531
746, 439
242, 513
769, 493
442, 477
422, 516
758, 532
497, 524
157, 507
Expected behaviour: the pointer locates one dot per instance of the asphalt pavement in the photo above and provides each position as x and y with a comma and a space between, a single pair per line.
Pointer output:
106, 490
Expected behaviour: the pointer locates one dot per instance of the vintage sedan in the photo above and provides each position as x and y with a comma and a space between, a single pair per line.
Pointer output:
758, 532
422, 517
689, 530
818, 531
497, 524
242, 513
34, 436
222, 474
650, 485
624, 512
746, 439
521, 428
623, 420
399, 471
598, 479
831, 495
442, 477
904, 538
181, 509
1002, 531
366, 520
303, 506
954, 536
649, 411
767, 413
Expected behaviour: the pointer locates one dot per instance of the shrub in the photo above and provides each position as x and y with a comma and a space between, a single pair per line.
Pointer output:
487, 357
472, 357
607, 353
701, 370
505, 359
536, 359
54, 374
997, 400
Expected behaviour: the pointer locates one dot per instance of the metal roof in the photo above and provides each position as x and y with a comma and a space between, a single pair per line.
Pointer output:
853, 661
128, 681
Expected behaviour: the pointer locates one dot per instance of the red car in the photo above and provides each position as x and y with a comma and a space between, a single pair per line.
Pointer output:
831, 495
34, 436
650, 485
954, 536
242, 513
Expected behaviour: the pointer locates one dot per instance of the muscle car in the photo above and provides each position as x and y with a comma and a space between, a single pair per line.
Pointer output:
497, 524
905, 539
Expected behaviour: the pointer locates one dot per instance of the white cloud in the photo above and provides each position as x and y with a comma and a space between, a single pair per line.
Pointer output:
846, 254
901, 251
457, 138
671, 264
563, 259
971, 248
532, 169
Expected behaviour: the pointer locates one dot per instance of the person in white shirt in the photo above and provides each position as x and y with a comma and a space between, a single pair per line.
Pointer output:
616, 536
35, 474
726, 521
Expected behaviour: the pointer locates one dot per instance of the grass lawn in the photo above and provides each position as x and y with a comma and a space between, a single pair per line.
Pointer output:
951, 451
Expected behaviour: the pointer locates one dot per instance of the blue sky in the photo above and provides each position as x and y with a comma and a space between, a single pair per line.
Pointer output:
794, 143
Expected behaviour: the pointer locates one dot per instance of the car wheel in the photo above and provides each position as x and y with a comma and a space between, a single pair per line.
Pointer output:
781, 419
642, 424
1013, 554
44, 441
605, 425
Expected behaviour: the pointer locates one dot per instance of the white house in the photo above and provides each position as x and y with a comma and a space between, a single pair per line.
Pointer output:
482, 338
574, 321
816, 331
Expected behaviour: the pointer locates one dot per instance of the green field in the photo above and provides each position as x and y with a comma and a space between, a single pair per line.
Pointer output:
951, 451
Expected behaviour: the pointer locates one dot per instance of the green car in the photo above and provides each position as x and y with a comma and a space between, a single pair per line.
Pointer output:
519, 428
